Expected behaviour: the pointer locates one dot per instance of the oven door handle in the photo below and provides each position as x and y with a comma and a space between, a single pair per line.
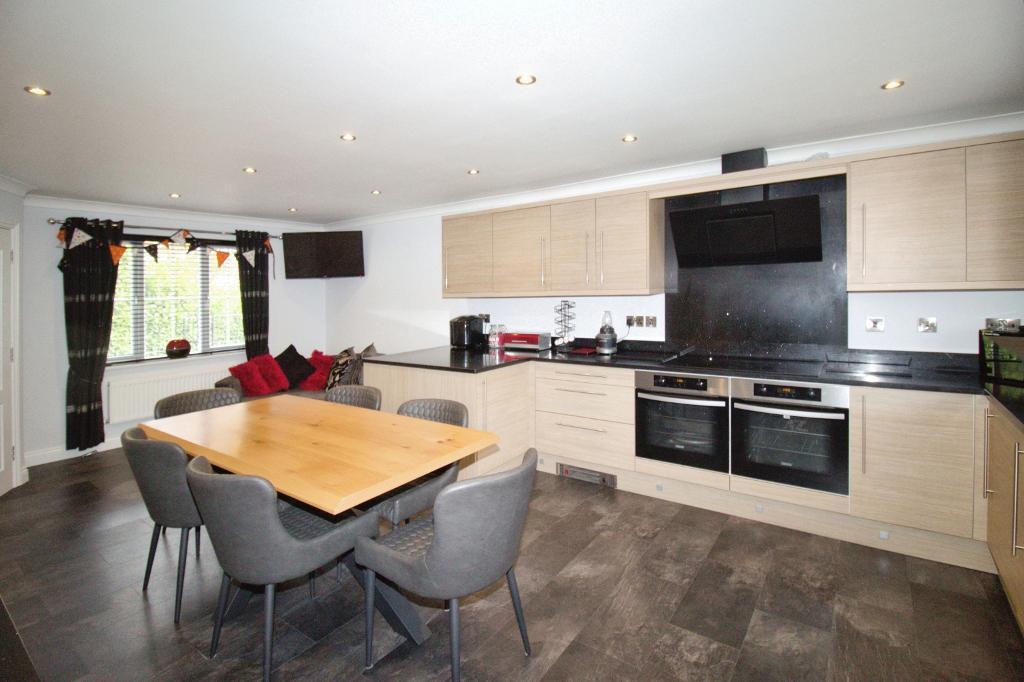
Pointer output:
681, 401
790, 413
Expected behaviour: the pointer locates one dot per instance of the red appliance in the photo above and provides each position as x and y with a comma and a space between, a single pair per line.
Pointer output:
525, 341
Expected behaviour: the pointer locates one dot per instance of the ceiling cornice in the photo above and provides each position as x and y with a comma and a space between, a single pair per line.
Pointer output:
892, 139
63, 206
14, 186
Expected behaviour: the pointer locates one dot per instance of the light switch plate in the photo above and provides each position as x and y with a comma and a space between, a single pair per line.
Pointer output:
875, 324
927, 325
638, 320
652, 321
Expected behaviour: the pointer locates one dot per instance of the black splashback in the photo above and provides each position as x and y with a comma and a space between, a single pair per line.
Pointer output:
805, 303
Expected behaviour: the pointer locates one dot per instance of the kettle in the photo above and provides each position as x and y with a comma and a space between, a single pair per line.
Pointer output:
467, 331
607, 340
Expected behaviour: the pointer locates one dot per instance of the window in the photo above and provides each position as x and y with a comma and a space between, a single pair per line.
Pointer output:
181, 296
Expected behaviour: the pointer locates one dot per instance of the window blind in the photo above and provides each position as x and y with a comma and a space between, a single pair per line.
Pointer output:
179, 295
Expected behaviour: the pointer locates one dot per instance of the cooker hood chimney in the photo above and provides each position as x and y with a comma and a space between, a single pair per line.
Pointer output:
740, 161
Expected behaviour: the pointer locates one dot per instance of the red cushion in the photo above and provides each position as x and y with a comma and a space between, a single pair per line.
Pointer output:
248, 374
317, 381
272, 372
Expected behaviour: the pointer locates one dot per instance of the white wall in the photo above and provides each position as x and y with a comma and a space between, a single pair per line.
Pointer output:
296, 309
398, 304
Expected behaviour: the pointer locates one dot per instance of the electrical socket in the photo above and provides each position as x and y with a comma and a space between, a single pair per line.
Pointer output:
630, 320
875, 324
652, 321
638, 320
927, 325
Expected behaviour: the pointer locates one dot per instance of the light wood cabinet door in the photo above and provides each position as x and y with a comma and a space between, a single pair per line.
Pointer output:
1002, 441
588, 440
573, 246
912, 458
995, 212
622, 247
466, 255
522, 241
906, 219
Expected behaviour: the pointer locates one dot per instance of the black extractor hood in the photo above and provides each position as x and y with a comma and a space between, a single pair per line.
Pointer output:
757, 232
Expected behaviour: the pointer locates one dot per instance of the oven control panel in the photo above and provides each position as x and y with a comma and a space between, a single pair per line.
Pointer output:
688, 383
809, 393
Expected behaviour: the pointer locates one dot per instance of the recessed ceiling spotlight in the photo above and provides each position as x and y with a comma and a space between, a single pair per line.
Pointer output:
293, 210
348, 137
892, 85
526, 79
36, 90
250, 170
473, 171
174, 195
375, 192
629, 138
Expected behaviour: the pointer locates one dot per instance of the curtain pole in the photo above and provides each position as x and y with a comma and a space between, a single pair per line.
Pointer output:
172, 230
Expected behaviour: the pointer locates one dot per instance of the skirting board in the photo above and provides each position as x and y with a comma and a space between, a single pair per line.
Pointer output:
48, 455
910, 541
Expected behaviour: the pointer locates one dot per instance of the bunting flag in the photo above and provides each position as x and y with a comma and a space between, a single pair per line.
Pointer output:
273, 258
266, 243
166, 243
180, 237
193, 243
61, 234
79, 237
154, 251
250, 257
221, 257
116, 251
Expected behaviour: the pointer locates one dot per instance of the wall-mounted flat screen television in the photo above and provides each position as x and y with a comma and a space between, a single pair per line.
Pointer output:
323, 254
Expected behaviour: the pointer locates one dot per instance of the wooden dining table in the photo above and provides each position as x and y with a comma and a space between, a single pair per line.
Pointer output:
329, 456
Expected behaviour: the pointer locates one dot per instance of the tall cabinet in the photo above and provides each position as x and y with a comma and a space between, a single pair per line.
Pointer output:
1005, 516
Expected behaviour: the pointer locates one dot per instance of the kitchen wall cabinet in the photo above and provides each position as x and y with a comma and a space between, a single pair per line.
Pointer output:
905, 219
612, 245
912, 458
522, 241
995, 212
1005, 438
466, 255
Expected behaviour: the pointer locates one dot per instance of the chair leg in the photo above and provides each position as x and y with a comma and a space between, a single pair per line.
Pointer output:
198, 534
312, 585
152, 553
369, 586
453, 619
218, 617
268, 630
513, 589
182, 557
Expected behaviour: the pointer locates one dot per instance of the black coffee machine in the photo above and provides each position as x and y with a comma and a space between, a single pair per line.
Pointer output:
467, 331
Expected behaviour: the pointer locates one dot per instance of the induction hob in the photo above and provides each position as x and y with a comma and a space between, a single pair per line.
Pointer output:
760, 366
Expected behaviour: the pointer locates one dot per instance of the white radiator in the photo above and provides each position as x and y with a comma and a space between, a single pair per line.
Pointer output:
131, 398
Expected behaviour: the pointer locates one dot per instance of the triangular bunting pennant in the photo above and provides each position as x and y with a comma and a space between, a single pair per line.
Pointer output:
221, 257
179, 237
154, 251
79, 237
266, 243
116, 251
193, 243
166, 243
61, 234
250, 257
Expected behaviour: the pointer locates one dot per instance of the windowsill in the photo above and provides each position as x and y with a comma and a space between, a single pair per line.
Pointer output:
152, 362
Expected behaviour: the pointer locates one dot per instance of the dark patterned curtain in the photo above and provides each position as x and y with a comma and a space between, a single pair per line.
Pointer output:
254, 283
90, 276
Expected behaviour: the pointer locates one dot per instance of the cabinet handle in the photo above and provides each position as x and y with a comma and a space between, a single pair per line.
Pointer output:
542, 268
586, 253
1016, 498
572, 390
864, 434
581, 428
864, 241
985, 491
582, 374
600, 247
446, 269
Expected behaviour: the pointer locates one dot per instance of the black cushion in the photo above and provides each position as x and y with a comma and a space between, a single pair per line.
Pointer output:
294, 366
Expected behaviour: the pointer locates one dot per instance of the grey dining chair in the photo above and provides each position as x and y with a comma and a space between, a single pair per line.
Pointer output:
471, 540
259, 543
357, 396
159, 471
419, 495
193, 401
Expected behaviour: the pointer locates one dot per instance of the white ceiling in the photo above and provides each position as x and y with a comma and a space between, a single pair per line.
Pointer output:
155, 97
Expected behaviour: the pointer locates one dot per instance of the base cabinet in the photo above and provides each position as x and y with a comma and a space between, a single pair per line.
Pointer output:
912, 458
1005, 530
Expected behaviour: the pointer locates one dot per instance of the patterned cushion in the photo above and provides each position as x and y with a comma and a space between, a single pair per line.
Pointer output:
412, 539
337, 375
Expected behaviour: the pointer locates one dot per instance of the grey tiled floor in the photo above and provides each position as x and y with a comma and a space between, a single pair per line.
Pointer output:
615, 586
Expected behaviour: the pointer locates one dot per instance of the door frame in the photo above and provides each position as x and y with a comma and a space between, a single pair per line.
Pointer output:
20, 471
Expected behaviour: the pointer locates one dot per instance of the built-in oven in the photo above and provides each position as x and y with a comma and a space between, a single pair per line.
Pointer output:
794, 433
683, 419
